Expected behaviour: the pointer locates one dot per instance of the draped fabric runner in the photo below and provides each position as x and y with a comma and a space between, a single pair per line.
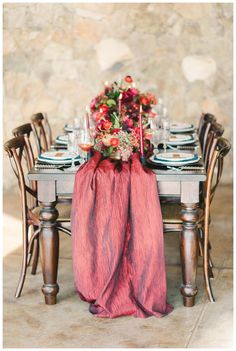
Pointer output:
117, 235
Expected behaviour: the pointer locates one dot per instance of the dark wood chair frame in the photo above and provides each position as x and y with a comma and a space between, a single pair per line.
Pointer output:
219, 150
18, 149
205, 124
42, 132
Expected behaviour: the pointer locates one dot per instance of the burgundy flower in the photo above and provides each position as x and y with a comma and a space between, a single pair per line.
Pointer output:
129, 94
129, 122
115, 130
134, 91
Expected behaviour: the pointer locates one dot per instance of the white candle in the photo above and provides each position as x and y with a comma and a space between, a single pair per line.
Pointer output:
119, 107
141, 130
87, 117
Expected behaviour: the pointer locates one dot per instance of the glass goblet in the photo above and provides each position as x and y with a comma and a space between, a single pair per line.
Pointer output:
73, 149
156, 137
85, 141
165, 132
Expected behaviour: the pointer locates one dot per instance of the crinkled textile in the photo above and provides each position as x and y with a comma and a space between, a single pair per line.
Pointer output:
117, 237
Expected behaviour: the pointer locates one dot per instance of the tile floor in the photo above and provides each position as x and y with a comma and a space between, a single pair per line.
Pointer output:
29, 323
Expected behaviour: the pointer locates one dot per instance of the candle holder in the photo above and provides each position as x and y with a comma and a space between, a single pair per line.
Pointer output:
143, 160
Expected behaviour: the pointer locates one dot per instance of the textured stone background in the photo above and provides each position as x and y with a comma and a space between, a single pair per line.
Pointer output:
57, 55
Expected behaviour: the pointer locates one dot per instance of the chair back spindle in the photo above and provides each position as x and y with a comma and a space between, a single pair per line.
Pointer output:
42, 132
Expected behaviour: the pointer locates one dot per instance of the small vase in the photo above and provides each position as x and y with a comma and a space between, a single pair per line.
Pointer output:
115, 155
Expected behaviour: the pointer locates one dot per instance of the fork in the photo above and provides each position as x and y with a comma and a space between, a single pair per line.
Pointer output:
187, 168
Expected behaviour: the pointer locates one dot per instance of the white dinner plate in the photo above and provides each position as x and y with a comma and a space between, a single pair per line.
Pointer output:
68, 128
181, 139
181, 127
62, 139
174, 156
56, 155
58, 162
195, 159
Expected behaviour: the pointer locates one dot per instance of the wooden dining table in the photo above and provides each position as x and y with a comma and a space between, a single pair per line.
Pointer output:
52, 184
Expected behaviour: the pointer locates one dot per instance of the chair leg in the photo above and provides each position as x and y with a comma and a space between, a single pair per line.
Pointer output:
200, 239
24, 261
209, 245
30, 248
35, 256
206, 267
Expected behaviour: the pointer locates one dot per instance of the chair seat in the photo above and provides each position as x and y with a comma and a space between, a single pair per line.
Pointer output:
63, 208
171, 213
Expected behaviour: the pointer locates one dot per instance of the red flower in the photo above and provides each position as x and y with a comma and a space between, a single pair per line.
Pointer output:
128, 79
144, 100
107, 125
104, 109
129, 123
136, 107
152, 99
114, 142
115, 131
136, 130
97, 116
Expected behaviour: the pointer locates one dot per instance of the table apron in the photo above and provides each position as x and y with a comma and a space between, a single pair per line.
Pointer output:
188, 191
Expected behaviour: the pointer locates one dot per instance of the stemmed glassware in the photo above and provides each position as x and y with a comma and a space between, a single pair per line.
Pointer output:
160, 126
72, 148
165, 124
76, 123
85, 141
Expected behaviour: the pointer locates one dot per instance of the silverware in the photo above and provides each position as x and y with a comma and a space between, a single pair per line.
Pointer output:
187, 147
58, 147
186, 168
48, 166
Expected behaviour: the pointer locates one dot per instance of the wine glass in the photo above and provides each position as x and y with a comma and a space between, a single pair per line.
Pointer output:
160, 108
76, 123
72, 148
85, 141
156, 137
165, 124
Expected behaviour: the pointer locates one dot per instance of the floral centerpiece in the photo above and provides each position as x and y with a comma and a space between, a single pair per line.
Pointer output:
121, 114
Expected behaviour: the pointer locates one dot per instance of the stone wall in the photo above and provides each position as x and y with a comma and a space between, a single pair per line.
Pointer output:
56, 57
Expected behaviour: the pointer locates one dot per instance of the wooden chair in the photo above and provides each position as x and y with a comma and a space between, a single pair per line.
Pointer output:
205, 124
21, 158
216, 131
170, 212
202, 121
27, 130
42, 132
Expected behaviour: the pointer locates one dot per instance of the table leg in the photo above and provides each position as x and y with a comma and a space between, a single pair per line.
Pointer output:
49, 251
189, 252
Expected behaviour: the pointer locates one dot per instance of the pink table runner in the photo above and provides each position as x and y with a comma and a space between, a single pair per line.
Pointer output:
117, 235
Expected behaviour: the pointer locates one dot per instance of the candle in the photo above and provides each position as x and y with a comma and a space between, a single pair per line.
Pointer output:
141, 131
87, 117
120, 98
106, 83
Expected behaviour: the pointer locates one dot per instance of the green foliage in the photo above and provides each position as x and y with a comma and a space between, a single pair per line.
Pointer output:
111, 102
108, 151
